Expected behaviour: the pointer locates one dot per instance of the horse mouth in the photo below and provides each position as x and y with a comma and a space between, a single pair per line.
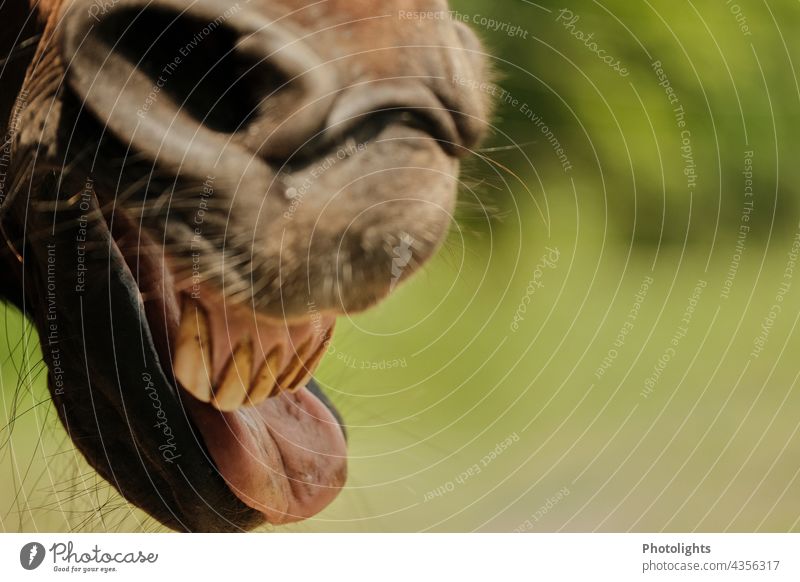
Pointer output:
238, 358
198, 410
278, 447
243, 380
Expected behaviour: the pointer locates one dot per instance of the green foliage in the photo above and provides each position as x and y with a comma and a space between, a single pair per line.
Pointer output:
737, 88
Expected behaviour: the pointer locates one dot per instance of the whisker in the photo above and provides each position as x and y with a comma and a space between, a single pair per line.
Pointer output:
22, 48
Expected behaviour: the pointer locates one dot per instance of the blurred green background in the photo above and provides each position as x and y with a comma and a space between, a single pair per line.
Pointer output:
642, 380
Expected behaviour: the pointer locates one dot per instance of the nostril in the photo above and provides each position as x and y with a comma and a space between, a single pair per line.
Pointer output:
192, 62
196, 80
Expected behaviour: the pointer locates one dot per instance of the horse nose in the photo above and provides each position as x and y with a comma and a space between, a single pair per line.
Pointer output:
195, 83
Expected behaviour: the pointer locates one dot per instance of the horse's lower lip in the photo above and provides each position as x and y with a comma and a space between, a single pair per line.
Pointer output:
285, 457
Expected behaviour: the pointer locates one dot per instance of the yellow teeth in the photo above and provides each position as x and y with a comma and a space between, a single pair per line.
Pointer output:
240, 384
267, 378
192, 365
306, 370
297, 367
235, 384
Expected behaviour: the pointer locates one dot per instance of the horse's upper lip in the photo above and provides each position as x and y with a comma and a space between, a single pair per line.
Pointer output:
420, 105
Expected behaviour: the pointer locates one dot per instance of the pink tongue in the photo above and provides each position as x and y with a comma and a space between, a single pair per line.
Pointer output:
286, 457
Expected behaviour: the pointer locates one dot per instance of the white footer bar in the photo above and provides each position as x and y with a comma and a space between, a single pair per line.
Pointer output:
402, 557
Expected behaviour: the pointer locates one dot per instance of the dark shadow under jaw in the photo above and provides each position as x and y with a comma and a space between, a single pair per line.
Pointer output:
114, 397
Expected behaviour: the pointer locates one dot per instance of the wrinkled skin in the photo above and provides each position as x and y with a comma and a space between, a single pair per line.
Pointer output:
262, 184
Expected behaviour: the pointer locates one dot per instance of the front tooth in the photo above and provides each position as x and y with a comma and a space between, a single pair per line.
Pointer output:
236, 381
192, 364
295, 368
267, 378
